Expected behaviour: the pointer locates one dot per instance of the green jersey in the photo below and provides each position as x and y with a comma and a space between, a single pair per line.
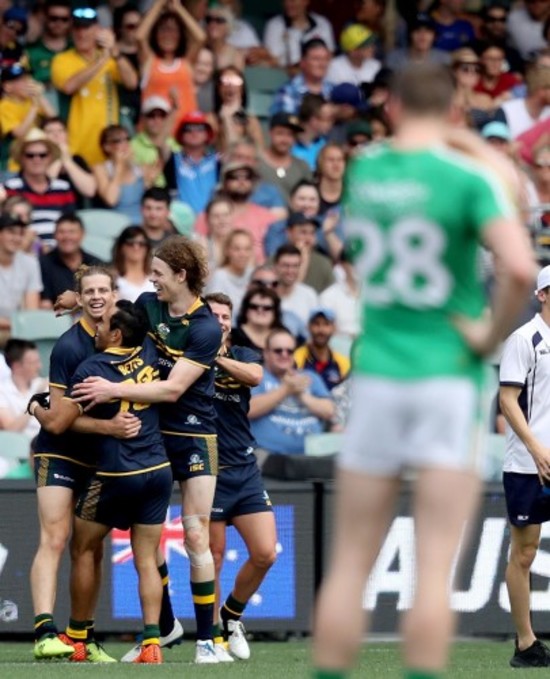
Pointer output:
413, 223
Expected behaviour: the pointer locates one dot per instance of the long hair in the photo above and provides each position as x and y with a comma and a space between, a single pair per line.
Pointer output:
183, 254
265, 293
217, 86
129, 233
181, 49
229, 242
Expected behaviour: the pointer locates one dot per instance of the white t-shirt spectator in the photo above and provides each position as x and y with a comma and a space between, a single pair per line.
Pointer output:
301, 301
131, 291
341, 70
340, 299
518, 118
234, 286
15, 402
525, 33
285, 43
16, 280
243, 36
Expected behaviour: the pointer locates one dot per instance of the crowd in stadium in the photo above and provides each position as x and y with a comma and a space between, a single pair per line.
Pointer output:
194, 117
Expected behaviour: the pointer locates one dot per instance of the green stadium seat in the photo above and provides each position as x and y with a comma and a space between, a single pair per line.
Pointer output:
42, 327
318, 445
15, 447
264, 79
99, 246
259, 104
104, 223
182, 217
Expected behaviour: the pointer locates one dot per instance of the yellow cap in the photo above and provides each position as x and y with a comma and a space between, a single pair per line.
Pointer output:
355, 36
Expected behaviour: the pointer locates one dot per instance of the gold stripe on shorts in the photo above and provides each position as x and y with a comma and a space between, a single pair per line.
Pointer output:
89, 506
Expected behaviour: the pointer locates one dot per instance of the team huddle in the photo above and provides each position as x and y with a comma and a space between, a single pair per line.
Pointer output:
139, 399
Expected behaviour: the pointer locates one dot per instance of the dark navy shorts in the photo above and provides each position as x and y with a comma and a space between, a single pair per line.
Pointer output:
525, 501
192, 456
239, 490
53, 470
122, 501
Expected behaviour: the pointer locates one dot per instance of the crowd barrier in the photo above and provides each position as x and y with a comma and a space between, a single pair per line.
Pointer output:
284, 601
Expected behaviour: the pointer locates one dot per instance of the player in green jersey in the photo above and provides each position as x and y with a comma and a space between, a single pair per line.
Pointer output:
415, 214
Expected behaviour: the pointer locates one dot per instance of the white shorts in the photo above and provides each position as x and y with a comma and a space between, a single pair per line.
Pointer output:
397, 425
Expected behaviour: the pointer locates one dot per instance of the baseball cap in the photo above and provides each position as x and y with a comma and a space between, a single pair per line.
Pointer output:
296, 218
194, 118
7, 220
543, 279
422, 20
285, 120
323, 311
496, 129
238, 165
12, 72
84, 16
347, 93
18, 14
155, 102
358, 127
356, 36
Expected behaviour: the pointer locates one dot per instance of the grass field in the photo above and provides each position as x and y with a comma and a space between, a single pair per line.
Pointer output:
486, 660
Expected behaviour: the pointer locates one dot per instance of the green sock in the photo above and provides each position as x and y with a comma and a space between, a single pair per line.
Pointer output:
232, 609
151, 634
216, 633
329, 674
44, 626
421, 674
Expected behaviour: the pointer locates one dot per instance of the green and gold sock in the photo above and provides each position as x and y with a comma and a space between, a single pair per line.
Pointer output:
77, 630
44, 626
204, 598
151, 634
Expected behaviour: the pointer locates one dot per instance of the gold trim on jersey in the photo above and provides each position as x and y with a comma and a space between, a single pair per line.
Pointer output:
122, 351
136, 471
161, 346
78, 405
64, 457
59, 386
181, 433
87, 327
89, 505
190, 360
197, 304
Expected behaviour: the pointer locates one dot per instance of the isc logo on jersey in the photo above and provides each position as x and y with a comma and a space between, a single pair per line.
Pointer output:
195, 463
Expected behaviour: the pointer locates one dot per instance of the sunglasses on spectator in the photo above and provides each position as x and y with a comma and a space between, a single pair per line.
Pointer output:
136, 242
58, 18
282, 350
496, 20
261, 307
42, 154
231, 79
118, 140
195, 127
215, 20
239, 175
265, 284
156, 113
468, 68
15, 26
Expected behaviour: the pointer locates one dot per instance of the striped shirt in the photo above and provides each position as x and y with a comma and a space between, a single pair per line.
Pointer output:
47, 207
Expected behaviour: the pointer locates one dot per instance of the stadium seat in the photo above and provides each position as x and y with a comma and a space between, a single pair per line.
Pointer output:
259, 104
264, 79
318, 445
42, 327
104, 223
182, 217
98, 246
15, 447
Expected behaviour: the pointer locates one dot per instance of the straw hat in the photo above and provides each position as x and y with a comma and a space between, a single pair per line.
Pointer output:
34, 135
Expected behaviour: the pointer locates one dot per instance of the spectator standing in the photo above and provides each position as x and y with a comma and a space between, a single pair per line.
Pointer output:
233, 275
311, 77
20, 281
315, 118
244, 37
13, 28
53, 40
421, 34
288, 404
452, 31
316, 355
155, 215
525, 27
494, 17
59, 266
277, 164
286, 33
356, 64
132, 262
126, 20
120, 181
49, 197
87, 74
331, 166
296, 297
219, 25
23, 360
192, 174
342, 298
169, 41
72, 169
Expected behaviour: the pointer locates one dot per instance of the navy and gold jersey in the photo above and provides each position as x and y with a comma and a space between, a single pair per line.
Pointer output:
332, 372
195, 337
232, 401
71, 349
145, 451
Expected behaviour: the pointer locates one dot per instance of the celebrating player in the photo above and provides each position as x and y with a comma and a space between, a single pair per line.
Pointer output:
63, 465
240, 497
132, 484
187, 337
415, 214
